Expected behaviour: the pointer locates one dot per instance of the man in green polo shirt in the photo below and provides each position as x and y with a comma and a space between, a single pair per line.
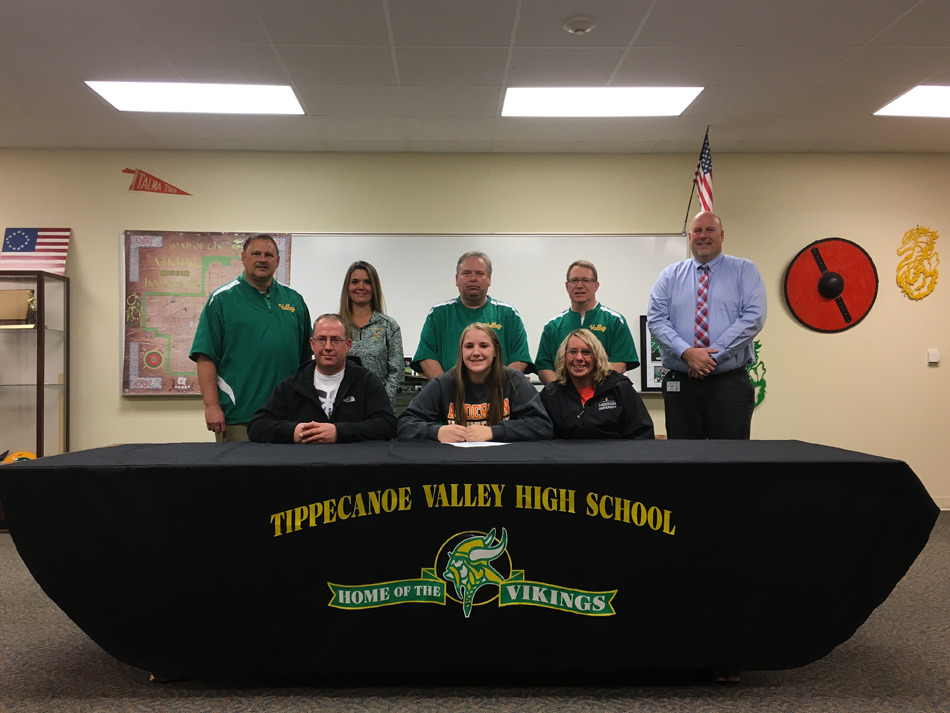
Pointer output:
439, 341
253, 333
609, 326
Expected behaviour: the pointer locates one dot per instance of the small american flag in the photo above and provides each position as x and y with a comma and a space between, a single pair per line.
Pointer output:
35, 249
703, 176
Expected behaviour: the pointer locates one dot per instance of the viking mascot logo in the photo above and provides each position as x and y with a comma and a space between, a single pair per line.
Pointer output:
469, 566
473, 561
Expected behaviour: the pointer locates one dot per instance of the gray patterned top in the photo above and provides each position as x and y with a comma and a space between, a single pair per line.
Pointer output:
379, 346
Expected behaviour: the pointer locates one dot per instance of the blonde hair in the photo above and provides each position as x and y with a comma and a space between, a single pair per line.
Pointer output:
601, 366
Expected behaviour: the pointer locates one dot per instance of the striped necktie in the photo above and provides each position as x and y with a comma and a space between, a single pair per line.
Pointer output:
701, 332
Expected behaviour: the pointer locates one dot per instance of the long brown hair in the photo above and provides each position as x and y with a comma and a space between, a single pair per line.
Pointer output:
378, 303
494, 380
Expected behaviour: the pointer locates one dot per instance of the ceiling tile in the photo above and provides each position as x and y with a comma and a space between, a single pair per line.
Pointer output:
339, 65
80, 125
437, 23
374, 145
281, 144
941, 76
616, 146
927, 25
238, 64
827, 100
61, 59
452, 101
674, 23
46, 95
812, 23
905, 128
621, 130
529, 146
888, 144
776, 129
60, 20
450, 129
541, 23
742, 101
450, 146
334, 128
461, 66
889, 65
562, 67
194, 21
779, 75
546, 129
324, 22
686, 129
225, 126
340, 100
117, 141
200, 144
784, 65
19, 130
675, 66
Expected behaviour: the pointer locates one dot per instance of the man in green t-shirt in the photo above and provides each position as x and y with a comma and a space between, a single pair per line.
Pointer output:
253, 333
609, 326
439, 341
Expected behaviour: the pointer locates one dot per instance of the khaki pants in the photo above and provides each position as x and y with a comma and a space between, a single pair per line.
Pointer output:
237, 433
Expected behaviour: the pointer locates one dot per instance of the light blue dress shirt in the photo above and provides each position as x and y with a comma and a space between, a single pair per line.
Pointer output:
737, 310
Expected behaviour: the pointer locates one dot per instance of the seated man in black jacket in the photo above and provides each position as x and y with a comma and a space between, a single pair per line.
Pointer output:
329, 400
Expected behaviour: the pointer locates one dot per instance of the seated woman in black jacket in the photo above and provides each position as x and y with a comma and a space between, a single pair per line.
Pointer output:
588, 399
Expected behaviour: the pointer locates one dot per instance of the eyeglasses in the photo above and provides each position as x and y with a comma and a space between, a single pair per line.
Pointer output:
335, 341
586, 353
585, 280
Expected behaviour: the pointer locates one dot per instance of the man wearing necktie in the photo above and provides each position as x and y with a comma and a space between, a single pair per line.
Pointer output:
705, 313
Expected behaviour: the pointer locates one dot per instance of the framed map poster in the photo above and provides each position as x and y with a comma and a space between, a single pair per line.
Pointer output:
167, 278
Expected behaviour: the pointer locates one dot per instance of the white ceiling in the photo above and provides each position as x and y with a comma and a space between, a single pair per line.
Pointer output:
430, 75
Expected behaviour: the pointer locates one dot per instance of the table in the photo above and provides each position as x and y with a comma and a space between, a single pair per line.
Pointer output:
212, 560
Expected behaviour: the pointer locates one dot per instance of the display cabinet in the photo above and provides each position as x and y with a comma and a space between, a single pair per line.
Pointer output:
34, 362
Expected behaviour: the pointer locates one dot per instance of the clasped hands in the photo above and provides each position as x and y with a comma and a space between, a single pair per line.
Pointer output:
699, 361
461, 434
314, 432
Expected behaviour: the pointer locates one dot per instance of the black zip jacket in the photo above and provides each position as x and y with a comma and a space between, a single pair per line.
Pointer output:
361, 412
615, 410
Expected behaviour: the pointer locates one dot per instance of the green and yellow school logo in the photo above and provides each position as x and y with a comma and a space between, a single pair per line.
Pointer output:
479, 568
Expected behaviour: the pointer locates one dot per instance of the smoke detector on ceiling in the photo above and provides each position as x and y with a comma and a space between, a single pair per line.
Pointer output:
579, 25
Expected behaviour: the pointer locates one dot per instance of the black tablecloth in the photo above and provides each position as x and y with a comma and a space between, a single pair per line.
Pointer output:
229, 559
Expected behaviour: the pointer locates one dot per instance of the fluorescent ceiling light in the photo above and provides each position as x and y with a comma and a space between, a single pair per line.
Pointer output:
190, 98
920, 101
598, 101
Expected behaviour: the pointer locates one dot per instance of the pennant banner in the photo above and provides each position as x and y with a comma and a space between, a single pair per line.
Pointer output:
142, 181
35, 249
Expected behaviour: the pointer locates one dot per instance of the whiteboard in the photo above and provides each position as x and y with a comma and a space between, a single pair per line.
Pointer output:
528, 272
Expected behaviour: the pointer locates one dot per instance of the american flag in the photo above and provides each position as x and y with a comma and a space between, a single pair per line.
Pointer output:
703, 176
35, 249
